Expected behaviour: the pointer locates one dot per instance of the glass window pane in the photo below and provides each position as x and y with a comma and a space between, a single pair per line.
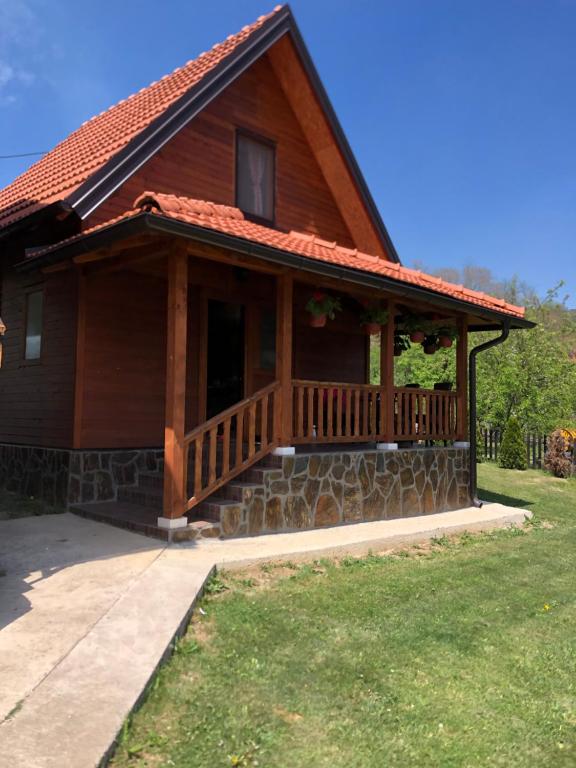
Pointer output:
34, 325
255, 178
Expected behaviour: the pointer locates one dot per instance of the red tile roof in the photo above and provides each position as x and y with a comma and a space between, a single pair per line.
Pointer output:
231, 221
82, 153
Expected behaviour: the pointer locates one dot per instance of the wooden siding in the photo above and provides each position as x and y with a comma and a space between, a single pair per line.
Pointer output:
124, 363
199, 162
37, 397
338, 352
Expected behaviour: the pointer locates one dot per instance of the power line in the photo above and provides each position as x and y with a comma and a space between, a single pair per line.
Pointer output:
25, 154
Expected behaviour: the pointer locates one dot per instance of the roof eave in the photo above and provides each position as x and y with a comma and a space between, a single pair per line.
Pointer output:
163, 225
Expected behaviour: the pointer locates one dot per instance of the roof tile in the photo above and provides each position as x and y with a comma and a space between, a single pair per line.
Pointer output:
61, 171
231, 221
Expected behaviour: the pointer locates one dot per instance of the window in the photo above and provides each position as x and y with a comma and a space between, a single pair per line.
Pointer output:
255, 177
34, 305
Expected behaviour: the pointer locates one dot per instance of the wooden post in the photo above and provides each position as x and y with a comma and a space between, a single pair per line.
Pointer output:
462, 379
177, 322
284, 329
387, 374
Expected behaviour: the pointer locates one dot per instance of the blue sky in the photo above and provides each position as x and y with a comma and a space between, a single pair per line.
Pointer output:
462, 113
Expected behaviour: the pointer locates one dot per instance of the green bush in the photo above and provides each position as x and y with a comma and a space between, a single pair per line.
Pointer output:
513, 449
557, 458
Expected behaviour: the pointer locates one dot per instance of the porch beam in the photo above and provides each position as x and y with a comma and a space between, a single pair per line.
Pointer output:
387, 374
177, 322
462, 378
284, 334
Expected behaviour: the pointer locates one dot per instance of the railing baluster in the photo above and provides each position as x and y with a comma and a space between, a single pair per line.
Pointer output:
264, 422
239, 437
300, 412
356, 412
251, 430
372, 406
348, 413
330, 413
320, 427
339, 412
226, 447
198, 465
365, 413
311, 420
212, 455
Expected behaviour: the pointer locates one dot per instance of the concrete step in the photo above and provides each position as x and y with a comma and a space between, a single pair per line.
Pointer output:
123, 515
211, 509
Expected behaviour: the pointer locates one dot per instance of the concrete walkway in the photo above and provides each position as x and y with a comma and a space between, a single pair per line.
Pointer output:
88, 612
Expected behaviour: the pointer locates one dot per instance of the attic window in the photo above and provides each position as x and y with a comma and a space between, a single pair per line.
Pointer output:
255, 161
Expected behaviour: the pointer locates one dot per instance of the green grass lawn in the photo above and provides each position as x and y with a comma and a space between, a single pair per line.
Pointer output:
458, 654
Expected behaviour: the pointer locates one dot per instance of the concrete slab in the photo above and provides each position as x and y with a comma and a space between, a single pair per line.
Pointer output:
61, 576
90, 611
357, 538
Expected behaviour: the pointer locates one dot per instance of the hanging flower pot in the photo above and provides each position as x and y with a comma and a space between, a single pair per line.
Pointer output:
430, 345
417, 337
321, 307
401, 344
317, 321
446, 336
373, 317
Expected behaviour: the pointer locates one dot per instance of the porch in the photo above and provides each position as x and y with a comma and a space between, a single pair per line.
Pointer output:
246, 393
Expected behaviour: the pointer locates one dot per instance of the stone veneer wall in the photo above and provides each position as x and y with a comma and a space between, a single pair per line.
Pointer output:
317, 490
62, 477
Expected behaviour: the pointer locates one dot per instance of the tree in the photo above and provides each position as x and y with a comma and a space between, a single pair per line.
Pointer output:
513, 450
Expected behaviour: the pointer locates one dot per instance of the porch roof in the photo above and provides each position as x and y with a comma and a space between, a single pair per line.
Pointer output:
231, 222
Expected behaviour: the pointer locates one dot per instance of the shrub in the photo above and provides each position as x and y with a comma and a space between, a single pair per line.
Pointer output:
513, 450
556, 460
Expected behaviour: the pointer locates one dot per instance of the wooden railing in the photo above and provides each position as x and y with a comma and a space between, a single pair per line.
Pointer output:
329, 412
229, 443
423, 414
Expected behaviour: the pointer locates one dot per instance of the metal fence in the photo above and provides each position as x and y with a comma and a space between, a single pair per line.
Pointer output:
491, 440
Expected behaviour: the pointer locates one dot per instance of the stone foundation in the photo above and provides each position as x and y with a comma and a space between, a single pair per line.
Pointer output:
61, 477
318, 490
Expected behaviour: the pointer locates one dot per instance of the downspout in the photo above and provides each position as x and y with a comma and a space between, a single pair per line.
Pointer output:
472, 407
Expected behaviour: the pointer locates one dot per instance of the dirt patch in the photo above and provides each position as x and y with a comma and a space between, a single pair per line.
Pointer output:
13, 506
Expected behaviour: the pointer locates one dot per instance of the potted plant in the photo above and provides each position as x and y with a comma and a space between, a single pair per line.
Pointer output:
373, 317
322, 306
430, 344
416, 327
401, 344
446, 336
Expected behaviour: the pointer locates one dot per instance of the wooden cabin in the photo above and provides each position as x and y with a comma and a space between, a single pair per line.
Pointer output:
160, 369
